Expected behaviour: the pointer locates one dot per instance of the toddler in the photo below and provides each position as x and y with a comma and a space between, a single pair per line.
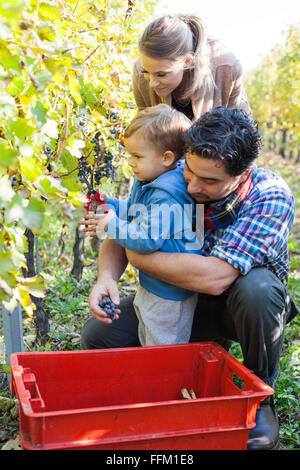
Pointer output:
158, 215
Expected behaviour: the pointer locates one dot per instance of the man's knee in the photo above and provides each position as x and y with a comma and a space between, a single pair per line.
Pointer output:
259, 291
120, 333
92, 334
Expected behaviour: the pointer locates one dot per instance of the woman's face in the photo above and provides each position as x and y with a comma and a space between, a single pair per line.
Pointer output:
164, 75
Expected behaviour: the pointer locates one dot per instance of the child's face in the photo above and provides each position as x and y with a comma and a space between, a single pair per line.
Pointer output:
146, 161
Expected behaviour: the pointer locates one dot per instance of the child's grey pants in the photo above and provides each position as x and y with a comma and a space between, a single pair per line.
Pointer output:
253, 312
163, 321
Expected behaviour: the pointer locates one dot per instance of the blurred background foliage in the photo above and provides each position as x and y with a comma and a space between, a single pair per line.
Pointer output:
65, 99
273, 90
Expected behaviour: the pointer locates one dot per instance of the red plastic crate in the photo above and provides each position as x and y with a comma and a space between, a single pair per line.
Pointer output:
130, 398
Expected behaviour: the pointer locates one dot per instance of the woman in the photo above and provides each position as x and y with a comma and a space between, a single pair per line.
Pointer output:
180, 66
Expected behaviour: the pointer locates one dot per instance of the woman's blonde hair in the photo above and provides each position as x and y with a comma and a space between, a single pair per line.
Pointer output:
173, 36
163, 126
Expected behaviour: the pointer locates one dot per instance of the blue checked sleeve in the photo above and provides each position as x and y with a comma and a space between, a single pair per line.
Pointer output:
259, 236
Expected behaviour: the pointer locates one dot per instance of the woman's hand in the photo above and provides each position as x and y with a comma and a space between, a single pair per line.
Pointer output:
103, 288
96, 224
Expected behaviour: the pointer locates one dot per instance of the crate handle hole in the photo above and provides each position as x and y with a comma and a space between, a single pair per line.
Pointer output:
240, 383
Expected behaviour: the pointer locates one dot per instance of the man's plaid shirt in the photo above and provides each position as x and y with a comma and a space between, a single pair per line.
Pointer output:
259, 234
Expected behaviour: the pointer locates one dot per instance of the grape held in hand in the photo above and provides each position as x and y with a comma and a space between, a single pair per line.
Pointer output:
109, 307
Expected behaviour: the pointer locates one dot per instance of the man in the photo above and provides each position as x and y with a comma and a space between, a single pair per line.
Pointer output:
242, 273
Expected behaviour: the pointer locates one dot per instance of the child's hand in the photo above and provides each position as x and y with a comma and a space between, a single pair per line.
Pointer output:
103, 221
96, 224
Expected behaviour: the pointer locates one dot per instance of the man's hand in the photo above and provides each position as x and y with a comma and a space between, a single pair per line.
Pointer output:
103, 288
96, 224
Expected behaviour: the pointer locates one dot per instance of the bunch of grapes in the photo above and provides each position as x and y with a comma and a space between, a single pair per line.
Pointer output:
103, 166
113, 115
14, 181
109, 307
95, 142
84, 171
106, 168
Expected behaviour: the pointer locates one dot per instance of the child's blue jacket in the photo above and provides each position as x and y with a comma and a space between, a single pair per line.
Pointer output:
157, 216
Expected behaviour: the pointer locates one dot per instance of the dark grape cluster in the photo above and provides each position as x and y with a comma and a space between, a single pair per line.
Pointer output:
113, 132
109, 307
85, 172
82, 122
48, 155
113, 116
14, 181
103, 166
106, 169
95, 141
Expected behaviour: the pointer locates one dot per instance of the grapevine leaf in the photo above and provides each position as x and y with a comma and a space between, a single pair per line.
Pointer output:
49, 12
6, 291
34, 285
6, 191
11, 9
33, 214
16, 86
75, 146
42, 79
76, 198
50, 128
14, 210
69, 161
20, 127
26, 150
50, 187
10, 62
71, 183
8, 107
39, 114
25, 300
6, 263
126, 170
5, 32
30, 167
7, 154
46, 32
74, 87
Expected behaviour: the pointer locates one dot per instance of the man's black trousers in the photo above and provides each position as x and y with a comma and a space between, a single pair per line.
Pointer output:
252, 312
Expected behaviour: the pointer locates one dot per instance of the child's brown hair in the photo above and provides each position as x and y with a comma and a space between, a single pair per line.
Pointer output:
163, 127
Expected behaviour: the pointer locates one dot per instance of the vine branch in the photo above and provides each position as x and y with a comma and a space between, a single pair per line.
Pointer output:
62, 143
93, 52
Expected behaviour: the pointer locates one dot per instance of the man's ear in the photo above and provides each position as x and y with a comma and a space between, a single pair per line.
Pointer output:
168, 158
245, 174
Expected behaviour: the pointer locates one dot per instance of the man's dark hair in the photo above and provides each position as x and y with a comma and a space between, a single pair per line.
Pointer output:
227, 135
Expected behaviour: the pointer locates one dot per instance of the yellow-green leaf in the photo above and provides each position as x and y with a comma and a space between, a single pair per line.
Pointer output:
30, 168
20, 127
25, 300
74, 87
33, 214
49, 12
8, 106
6, 192
50, 187
7, 154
